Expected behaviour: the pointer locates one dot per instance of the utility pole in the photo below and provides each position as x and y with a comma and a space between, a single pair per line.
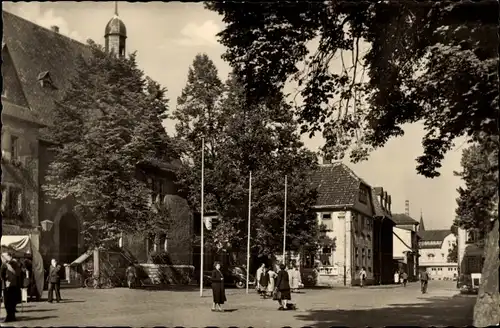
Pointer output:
202, 209
249, 216
284, 225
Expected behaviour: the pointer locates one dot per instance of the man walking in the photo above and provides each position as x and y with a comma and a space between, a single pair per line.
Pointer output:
362, 277
54, 280
424, 279
258, 275
404, 276
10, 272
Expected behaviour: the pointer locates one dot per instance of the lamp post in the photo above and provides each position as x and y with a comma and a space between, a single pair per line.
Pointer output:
46, 225
202, 211
284, 225
248, 238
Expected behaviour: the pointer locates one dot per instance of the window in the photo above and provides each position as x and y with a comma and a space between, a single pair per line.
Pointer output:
433, 269
327, 222
369, 253
440, 269
369, 269
327, 216
14, 147
14, 201
363, 196
442, 255
4, 198
326, 255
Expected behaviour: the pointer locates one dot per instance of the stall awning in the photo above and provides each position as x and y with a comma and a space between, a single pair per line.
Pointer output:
82, 258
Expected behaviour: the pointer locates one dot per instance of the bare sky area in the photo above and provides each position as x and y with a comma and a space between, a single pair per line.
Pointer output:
168, 35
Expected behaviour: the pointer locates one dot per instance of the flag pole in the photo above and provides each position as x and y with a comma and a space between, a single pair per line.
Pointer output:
284, 225
202, 211
249, 216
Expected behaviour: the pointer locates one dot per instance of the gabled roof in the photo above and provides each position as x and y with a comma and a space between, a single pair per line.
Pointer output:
434, 235
337, 185
403, 219
36, 50
379, 210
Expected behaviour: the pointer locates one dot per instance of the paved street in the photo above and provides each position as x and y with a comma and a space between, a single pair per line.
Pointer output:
375, 306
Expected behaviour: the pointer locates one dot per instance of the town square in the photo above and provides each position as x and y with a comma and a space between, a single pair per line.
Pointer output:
262, 164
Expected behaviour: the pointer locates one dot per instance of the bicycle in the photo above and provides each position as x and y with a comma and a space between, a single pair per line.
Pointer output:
99, 282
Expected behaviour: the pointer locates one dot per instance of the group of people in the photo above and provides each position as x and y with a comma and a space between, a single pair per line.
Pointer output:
17, 276
401, 277
278, 284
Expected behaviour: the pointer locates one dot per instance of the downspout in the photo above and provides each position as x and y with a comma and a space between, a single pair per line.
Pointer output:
345, 249
380, 249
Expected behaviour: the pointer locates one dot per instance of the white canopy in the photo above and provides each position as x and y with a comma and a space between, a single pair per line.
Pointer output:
24, 245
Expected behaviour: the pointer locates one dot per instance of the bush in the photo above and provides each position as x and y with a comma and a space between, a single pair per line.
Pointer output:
160, 257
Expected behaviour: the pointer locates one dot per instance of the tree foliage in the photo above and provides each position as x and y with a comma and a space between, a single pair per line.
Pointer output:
238, 139
478, 199
108, 122
453, 254
433, 62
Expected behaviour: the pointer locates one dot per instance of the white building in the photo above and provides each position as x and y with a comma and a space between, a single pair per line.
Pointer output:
405, 241
435, 246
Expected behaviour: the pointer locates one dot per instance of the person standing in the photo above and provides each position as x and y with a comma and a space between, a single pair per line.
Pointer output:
282, 288
10, 274
218, 290
396, 277
295, 279
131, 274
362, 277
264, 283
424, 280
257, 276
404, 276
54, 280
272, 278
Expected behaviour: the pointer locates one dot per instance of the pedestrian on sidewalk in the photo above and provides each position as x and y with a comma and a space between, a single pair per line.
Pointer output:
131, 274
218, 290
404, 276
54, 280
282, 289
362, 277
264, 283
10, 273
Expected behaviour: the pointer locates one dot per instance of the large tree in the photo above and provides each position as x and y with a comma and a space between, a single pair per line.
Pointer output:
478, 198
238, 140
108, 122
434, 62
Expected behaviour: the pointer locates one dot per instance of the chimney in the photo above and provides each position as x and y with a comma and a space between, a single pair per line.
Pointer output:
55, 28
385, 200
389, 201
407, 207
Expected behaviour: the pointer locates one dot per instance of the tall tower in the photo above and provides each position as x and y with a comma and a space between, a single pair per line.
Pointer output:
115, 35
407, 207
421, 226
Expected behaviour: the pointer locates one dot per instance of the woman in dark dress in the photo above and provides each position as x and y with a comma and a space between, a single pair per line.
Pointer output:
218, 291
283, 286
263, 283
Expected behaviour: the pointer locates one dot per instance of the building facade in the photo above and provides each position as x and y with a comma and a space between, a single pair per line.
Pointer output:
435, 245
405, 241
37, 68
471, 255
345, 209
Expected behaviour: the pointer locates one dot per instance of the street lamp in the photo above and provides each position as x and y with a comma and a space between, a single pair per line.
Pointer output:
47, 225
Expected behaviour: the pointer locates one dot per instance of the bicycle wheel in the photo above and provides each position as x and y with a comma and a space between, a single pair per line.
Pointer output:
89, 282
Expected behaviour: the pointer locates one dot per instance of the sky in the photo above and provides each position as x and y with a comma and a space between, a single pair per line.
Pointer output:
168, 35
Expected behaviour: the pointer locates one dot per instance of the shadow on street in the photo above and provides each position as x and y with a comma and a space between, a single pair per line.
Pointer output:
436, 311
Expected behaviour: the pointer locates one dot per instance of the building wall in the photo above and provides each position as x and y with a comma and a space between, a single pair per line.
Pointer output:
439, 254
442, 272
362, 243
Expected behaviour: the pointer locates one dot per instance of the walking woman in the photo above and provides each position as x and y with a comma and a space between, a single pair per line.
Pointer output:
282, 288
218, 291
272, 278
264, 283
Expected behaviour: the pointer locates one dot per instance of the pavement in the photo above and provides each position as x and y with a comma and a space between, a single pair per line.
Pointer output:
374, 306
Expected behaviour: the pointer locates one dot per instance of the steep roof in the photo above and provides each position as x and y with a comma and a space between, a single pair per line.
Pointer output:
379, 210
434, 235
403, 219
337, 185
35, 50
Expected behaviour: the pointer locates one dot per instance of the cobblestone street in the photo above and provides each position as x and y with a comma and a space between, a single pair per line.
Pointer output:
375, 306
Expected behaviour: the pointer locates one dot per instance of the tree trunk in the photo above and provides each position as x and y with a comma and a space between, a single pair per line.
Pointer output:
487, 309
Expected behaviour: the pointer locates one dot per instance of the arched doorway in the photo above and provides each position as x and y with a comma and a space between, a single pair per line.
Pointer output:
68, 238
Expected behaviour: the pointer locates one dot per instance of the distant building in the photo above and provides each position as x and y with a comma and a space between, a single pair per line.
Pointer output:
345, 206
405, 240
470, 246
435, 246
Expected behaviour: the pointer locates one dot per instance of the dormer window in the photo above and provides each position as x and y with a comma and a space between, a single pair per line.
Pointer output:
46, 81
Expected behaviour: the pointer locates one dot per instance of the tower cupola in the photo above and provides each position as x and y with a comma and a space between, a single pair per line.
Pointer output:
115, 34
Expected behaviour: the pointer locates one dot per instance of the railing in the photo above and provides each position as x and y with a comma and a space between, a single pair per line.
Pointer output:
328, 270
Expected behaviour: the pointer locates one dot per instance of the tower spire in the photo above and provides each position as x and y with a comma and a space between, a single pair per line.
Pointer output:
116, 8
421, 226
